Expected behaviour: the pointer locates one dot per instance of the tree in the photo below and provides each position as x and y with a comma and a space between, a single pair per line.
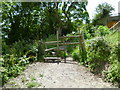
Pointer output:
102, 12
37, 20
104, 8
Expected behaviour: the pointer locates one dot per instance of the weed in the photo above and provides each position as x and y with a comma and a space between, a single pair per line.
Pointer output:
33, 78
33, 84
41, 75
24, 79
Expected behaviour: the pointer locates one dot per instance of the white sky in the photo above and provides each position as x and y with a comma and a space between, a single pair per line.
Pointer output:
92, 4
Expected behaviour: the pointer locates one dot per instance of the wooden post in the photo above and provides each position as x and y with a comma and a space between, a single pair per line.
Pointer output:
82, 47
40, 51
57, 42
64, 50
79, 40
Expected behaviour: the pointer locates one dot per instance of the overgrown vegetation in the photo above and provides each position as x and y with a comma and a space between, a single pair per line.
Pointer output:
102, 57
26, 24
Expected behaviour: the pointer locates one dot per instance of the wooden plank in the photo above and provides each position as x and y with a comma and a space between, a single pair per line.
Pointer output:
70, 43
52, 58
61, 48
57, 42
50, 49
51, 42
70, 36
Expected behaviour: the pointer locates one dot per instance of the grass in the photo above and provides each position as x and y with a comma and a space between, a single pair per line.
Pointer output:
112, 38
33, 84
33, 78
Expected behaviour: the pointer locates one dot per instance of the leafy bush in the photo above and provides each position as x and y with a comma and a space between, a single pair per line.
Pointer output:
76, 54
5, 48
113, 73
16, 57
18, 48
12, 66
102, 31
89, 30
98, 53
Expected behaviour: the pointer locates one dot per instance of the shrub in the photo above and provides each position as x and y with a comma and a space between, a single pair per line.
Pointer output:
76, 54
89, 30
5, 48
98, 52
102, 31
113, 73
12, 66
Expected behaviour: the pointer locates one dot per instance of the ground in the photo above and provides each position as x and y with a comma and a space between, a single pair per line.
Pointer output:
58, 75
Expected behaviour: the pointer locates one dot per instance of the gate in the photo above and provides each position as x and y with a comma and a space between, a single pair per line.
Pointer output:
61, 46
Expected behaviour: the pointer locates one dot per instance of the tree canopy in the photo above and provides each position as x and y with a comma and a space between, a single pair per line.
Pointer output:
36, 20
102, 12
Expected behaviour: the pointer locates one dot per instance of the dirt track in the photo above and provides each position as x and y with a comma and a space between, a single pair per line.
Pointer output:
62, 75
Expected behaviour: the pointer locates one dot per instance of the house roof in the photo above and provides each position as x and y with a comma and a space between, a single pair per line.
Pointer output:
114, 17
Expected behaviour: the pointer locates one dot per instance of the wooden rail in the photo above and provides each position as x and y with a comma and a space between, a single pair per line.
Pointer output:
50, 49
52, 42
70, 36
70, 43
52, 58
55, 48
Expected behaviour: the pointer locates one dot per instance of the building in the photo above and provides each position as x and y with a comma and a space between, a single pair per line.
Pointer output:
114, 21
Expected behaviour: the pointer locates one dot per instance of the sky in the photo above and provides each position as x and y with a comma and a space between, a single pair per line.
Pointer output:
92, 4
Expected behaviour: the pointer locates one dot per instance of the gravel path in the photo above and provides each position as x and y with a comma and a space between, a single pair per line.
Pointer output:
54, 75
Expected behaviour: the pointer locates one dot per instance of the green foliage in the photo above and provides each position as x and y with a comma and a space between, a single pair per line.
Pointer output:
24, 23
104, 8
98, 53
5, 48
102, 31
12, 66
19, 48
33, 78
16, 57
76, 55
112, 38
89, 30
51, 37
33, 84
113, 73
63, 54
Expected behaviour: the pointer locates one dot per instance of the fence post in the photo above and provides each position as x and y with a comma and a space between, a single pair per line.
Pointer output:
40, 55
82, 47
57, 42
